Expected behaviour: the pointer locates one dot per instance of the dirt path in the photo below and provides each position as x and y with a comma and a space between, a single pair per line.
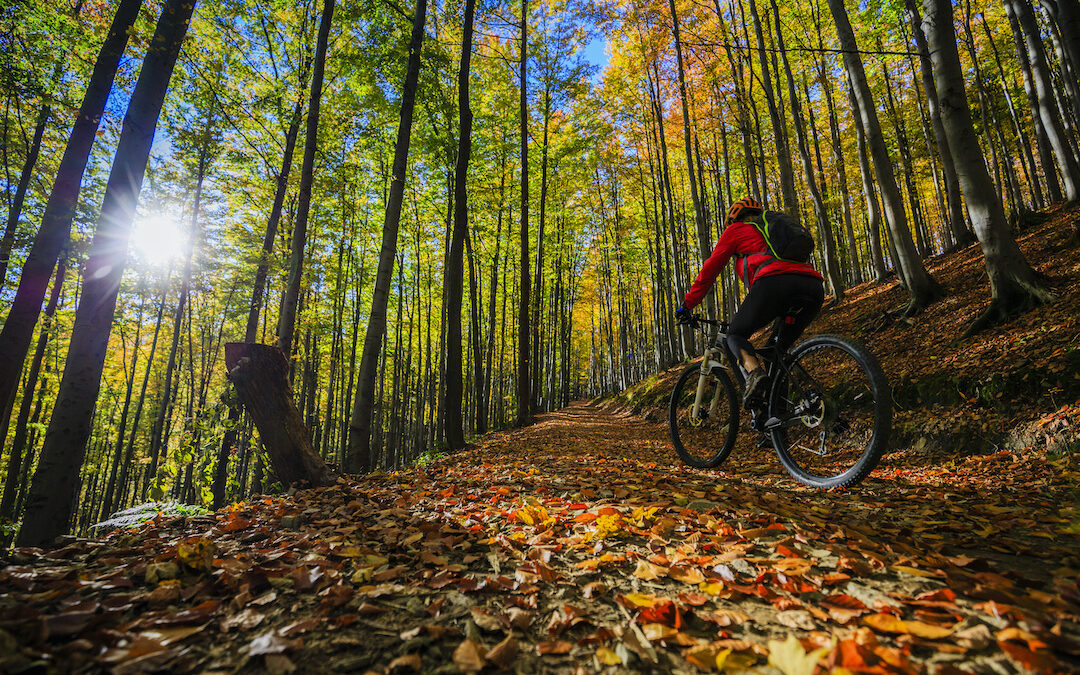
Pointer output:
578, 543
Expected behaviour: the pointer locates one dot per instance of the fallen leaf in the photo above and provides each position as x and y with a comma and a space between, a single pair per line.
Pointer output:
271, 643
790, 658
469, 656
504, 653
406, 662
607, 656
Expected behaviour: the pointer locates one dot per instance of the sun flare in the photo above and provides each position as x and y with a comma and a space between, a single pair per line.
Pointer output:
158, 238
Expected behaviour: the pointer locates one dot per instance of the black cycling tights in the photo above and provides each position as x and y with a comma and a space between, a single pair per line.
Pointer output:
794, 299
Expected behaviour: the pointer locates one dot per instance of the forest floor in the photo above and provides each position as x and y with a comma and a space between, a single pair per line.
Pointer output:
581, 544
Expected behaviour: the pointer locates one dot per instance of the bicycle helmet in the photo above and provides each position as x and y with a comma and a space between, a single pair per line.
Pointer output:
741, 207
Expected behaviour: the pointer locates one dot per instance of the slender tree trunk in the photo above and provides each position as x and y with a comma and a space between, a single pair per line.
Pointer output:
287, 318
1023, 145
955, 216
1047, 107
15, 465
15, 211
784, 165
832, 269
1014, 285
52, 236
922, 287
524, 391
455, 433
358, 458
51, 501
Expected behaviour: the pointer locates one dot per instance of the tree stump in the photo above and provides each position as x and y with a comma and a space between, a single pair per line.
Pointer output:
260, 374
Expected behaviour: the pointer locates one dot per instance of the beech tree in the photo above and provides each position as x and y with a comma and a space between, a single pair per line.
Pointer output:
1014, 285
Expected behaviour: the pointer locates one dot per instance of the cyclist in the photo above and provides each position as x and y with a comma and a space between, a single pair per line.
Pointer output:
791, 292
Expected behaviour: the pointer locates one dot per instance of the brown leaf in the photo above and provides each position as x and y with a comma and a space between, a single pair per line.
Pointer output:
244, 620
554, 647
484, 619
504, 653
406, 662
686, 574
648, 571
593, 589
300, 627
469, 656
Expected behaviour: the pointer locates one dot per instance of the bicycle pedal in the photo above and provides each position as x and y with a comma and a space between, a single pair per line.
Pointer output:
772, 423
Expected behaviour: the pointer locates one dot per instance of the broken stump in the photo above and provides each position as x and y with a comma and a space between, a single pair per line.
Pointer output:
260, 374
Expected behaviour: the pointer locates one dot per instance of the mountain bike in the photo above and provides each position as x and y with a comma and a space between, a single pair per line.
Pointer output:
827, 409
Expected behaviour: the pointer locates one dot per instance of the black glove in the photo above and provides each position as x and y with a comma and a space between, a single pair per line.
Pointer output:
683, 315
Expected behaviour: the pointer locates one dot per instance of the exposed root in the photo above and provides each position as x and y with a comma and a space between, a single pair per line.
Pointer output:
1003, 308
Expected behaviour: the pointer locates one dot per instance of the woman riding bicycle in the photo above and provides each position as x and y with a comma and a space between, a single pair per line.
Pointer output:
778, 289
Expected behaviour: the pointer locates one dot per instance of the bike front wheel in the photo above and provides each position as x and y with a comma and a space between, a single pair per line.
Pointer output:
704, 434
830, 412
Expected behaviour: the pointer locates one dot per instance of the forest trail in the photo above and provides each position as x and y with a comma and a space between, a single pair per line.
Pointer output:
579, 543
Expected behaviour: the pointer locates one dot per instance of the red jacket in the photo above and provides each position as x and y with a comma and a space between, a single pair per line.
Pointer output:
744, 240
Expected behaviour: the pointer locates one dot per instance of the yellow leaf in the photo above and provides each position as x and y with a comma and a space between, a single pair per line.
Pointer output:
196, 554
927, 630
790, 658
886, 623
721, 658
641, 599
608, 657
711, 588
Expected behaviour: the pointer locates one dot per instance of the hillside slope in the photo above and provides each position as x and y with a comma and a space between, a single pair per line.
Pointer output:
1008, 386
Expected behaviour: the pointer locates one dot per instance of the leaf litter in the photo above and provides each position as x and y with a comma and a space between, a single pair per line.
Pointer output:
569, 546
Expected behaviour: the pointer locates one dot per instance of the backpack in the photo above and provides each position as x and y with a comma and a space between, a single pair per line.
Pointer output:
785, 237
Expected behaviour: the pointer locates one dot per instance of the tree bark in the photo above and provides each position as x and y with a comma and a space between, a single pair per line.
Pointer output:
8, 239
455, 433
16, 465
287, 318
260, 375
55, 226
51, 500
922, 287
955, 216
524, 389
358, 458
783, 156
1014, 285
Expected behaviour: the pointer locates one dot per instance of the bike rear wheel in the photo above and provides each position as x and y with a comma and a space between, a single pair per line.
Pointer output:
705, 439
830, 412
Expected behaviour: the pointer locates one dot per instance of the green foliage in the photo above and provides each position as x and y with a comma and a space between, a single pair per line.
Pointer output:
142, 513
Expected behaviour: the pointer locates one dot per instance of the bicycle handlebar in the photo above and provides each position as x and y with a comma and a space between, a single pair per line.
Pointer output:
696, 320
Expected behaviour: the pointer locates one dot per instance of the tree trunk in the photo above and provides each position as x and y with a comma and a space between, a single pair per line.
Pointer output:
358, 457
260, 375
524, 390
832, 269
15, 465
1014, 285
15, 211
455, 433
52, 236
922, 287
51, 501
955, 216
287, 318
784, 164
1047, 107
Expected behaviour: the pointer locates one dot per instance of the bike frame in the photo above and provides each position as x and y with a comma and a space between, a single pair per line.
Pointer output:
721, 357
